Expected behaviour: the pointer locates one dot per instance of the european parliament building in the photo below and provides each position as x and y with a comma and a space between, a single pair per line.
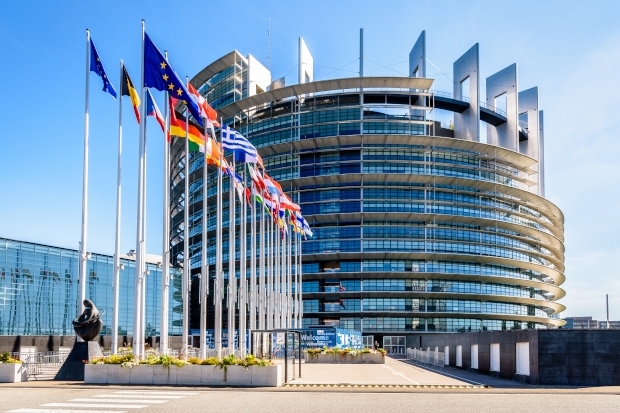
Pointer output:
417, 227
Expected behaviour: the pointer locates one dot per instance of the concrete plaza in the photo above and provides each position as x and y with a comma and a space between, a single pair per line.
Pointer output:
393, 372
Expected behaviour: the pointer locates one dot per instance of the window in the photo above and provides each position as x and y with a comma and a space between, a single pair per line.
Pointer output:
465, 89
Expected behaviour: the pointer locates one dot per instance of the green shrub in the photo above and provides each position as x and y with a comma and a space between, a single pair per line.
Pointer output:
6, 358
210, 361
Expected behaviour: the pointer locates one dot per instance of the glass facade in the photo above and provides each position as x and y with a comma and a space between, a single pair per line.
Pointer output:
39, 291
412, 231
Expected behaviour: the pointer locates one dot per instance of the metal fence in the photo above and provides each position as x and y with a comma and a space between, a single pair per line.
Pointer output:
43, 365
426, 358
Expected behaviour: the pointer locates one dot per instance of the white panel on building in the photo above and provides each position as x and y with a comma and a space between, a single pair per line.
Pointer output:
259, 77
474, 356
494, 357
459, 356
523, 358
306, 63
446, 355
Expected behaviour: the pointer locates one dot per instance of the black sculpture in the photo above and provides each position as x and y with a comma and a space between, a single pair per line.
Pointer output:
89, 324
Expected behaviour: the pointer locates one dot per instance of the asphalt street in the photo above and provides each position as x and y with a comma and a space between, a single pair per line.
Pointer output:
72, 398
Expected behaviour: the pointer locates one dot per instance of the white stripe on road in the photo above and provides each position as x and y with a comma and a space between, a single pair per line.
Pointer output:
118, 401
399, 374
63, 411
152, 396
80, 405
185, 393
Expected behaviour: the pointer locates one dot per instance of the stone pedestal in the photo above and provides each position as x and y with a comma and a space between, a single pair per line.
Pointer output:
73, 367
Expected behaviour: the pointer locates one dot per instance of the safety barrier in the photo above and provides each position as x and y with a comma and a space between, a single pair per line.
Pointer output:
44, 365
426, 358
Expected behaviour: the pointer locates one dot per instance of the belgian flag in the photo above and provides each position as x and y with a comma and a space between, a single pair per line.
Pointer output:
127, 89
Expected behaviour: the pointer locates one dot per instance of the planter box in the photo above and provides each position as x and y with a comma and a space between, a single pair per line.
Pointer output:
338, 359
13, 373
254, 376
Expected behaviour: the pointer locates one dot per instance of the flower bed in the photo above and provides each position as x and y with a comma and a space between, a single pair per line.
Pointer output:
166, 370
12, 370
344, 356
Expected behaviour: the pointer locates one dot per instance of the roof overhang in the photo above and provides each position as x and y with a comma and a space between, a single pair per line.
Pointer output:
324, 86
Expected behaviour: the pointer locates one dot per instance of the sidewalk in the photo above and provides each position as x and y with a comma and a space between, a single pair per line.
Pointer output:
393, 372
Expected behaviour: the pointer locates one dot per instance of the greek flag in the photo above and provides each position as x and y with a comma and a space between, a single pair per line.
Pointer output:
244, 151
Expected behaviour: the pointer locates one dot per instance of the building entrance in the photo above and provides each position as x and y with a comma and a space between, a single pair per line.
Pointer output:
368, 341
395, 345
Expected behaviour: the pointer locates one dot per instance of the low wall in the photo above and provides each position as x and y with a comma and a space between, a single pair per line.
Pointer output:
556, 357
253, 376
13, 373
338, 359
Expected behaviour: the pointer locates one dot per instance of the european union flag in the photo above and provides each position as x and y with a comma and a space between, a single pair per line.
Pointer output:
97, 67
159, 74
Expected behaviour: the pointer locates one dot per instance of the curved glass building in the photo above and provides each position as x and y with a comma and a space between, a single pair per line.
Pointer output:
417, 227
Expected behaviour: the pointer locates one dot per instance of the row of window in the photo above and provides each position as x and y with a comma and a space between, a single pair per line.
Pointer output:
449, 267
422, 305
439, 286
404, 324
382, 245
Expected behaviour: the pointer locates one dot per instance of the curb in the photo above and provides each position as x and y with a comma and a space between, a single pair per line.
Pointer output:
385, 386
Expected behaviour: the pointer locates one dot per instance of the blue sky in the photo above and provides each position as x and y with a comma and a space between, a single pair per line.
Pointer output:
569, 49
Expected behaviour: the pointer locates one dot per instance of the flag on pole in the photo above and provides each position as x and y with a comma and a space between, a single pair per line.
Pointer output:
212, 152
153, 110
243, 149
206, 111
127, 89
159, 74
272, 185
287, 204
97, 67
257, 178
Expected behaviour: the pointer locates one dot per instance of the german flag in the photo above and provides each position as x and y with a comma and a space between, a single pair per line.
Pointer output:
127, 89
177, 128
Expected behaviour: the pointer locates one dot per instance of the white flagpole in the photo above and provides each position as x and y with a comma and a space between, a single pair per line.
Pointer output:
232, 276
139, 258
253, 295
243, 293
278, 268
261, 270
117, 238
219, 271
300, 312
282, 280
296, 281
165, 274
289, 275
83, 258
269, 292
186, 258
204, 278
144, 271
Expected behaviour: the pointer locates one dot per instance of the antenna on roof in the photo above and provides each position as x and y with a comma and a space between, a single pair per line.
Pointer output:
269, 44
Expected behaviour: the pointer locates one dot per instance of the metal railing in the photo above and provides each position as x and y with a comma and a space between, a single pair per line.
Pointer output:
44, 365
426, 358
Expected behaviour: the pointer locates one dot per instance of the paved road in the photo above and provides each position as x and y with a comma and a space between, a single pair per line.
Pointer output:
74, 398
392, 372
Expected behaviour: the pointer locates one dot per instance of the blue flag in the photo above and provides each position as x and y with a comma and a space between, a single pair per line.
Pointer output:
97, 67
159, 74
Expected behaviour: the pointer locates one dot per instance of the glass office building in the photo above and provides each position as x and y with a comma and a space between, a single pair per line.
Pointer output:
39, 291
417, 227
